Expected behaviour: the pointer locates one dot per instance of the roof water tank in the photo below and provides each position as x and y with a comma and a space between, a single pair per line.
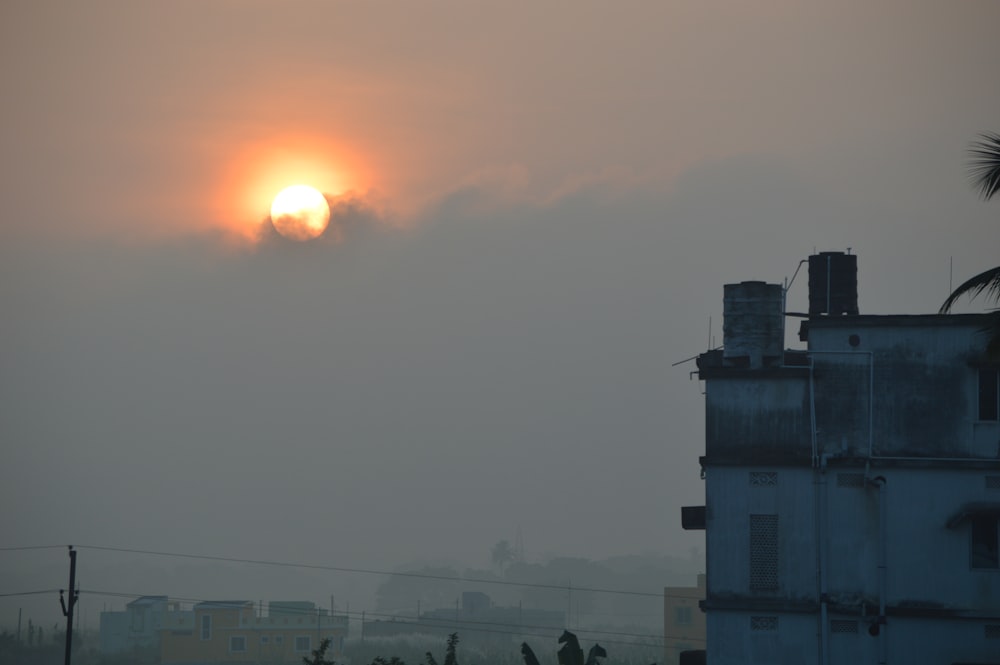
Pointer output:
833, 283
752, 322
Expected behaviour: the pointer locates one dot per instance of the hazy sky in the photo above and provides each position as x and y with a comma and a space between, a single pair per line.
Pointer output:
536, 207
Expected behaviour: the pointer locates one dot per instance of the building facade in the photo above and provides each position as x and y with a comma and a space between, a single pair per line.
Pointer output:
852, 489
138, 627
683, 620
232, 632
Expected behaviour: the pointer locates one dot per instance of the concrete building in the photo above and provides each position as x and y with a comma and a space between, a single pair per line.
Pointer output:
852, 488
477, 620
683, 620
138, 627
231, 631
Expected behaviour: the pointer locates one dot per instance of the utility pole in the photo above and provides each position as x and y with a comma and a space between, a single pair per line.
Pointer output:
73, 597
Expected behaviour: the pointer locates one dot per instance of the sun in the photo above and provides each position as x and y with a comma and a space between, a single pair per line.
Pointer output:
300, 212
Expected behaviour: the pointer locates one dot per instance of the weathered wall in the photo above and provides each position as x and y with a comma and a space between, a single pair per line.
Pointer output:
754, 414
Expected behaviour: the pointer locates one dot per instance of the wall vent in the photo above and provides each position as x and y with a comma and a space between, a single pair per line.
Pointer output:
763, 552
843, 626
993, 482
763, 623
763, 478
991, 631
850, 480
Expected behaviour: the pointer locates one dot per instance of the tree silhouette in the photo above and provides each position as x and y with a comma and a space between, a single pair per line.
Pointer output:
502, 554
569, 654
984, 171
319, 655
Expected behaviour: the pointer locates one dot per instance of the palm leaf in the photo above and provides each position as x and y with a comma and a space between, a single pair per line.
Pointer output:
984, 165
988, 281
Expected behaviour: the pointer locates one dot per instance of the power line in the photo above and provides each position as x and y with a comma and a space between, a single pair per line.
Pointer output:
27, 593
32, 547
366, 571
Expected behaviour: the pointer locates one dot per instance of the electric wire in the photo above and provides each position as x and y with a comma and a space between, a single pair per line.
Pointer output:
27, 593
368, 571
431, 622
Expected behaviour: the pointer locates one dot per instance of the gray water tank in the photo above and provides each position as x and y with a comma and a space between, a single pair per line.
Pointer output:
752, 322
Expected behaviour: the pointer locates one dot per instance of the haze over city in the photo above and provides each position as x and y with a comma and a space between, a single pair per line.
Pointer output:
534, 210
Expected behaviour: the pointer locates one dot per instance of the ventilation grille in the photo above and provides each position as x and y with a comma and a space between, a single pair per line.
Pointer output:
993, 482
763, 552
850, 480
991, 631
843, 626
763, 478
763, 623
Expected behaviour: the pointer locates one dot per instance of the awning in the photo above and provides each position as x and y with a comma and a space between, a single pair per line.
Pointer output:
974, 509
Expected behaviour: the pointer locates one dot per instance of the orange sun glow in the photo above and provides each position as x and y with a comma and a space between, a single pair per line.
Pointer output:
245, 198
300, 212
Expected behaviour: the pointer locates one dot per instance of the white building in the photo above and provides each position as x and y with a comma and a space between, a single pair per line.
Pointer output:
139, 625
852, 489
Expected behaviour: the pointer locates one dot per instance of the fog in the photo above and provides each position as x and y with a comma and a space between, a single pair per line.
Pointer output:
487, 343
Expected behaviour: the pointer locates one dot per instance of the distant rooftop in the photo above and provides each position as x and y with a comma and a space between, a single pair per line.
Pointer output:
223, 604
147, 600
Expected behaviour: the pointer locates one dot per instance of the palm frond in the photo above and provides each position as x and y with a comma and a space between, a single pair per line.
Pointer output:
984, 164
988, 281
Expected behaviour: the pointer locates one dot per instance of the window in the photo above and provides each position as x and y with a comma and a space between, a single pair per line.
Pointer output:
279, 640
302, 643
682, 616
985, 548
264, 639
206, 626
237, 644
763, 552
989, 394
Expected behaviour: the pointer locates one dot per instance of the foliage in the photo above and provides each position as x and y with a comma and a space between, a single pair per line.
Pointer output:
319, 654
450, 657
984, 165
449, 653
502, 554
569, 654
984, 169
379, 660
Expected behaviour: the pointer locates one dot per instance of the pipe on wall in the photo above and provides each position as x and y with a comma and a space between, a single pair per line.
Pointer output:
883, 523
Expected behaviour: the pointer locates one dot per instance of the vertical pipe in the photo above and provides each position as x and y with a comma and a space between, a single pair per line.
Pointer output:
828, 271
883, 645
823, 529
883, 569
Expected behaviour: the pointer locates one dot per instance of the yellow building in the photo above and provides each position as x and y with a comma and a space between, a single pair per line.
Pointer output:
683, 621
231, 632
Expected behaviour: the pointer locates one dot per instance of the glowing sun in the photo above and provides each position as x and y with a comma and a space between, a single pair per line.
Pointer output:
300, 212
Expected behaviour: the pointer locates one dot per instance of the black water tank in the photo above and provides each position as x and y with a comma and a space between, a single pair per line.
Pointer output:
833, 283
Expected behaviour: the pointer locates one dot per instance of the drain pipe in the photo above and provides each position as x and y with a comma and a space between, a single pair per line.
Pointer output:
880, 625
821, 545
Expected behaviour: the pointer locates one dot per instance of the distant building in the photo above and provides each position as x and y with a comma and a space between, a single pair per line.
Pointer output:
852, 488
230, 631
683, 620
139, 625
476, 620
